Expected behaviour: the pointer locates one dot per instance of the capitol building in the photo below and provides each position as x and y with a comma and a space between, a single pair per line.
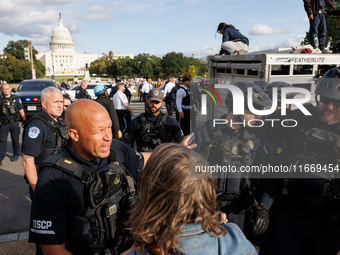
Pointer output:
62, 60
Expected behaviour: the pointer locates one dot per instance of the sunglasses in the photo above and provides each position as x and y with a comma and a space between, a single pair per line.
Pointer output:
66, 105
327, 101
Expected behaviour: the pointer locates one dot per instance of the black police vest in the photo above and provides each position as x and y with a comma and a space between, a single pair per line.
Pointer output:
317, 150
232, 149
60, 131
186, 100
84, 93
153, 133
107, 202
9, 107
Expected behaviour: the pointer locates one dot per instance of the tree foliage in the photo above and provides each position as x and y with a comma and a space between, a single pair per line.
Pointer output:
16, 49
145, 65
16, 68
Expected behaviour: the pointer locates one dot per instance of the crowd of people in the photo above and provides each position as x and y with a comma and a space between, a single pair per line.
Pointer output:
100, 187
102, 182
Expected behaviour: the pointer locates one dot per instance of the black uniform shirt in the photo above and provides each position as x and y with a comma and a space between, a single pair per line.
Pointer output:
135, 130
58, 200
307, 188
18, 105
82, 93
109, 106
38, 136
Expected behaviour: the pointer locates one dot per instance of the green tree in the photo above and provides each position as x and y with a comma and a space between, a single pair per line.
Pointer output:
98, 67
40, 69
173, 64
17, 70
192, 71
16, 49
143, 66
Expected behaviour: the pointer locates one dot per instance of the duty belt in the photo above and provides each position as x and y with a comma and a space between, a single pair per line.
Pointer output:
6, 122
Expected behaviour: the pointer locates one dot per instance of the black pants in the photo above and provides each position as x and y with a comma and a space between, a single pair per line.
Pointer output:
14, 130
290, 233
124, 117
169, 105
188, 123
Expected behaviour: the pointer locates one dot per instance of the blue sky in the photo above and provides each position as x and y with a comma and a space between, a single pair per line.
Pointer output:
153, 26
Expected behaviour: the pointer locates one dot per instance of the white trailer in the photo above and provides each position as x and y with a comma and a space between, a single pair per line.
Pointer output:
299, 70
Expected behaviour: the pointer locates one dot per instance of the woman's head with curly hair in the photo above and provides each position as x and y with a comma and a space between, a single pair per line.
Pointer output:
172, 195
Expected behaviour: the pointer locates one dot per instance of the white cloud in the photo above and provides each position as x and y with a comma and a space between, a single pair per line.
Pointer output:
288, 43
261, 29
292, 42
201, 53
97, 14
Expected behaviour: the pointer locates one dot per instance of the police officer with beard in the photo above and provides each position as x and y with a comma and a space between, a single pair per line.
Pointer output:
305, 216
234, 144
153, 127
11, 111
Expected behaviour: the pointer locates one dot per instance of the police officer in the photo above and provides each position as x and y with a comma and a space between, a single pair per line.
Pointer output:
45, 133
123, 109
114, 87
103, 98
147, 86
81, 91
268, 89
234, 144
153, 127
11, 110
186, 109
82, 194
306, 208
167, 92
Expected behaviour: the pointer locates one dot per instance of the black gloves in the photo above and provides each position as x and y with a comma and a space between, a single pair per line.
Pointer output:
261, 220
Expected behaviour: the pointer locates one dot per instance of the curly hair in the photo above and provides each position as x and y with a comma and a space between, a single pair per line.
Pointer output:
172, 195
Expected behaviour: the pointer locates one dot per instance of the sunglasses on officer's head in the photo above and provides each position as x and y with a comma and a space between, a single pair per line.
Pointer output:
327, 101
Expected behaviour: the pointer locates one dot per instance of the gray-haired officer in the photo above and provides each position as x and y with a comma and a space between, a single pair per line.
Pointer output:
11, 111
44, 134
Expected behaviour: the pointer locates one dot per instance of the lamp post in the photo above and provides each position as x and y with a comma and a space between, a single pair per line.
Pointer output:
4, 58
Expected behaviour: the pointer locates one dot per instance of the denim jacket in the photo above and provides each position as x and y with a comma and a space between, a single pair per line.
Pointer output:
194, 241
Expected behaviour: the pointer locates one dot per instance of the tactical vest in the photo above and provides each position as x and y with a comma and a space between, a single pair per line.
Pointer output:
186, 101
61, 135
9, 107
153, 133
234, 150
107, 202
86, 94
316, 147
